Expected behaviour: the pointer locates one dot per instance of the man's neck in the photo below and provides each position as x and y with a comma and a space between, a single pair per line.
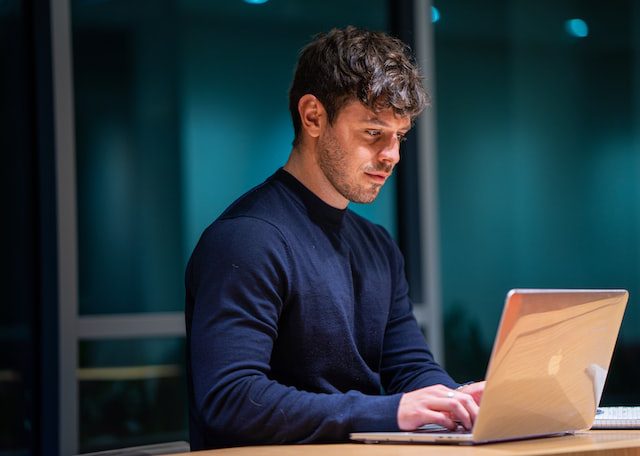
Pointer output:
303, 166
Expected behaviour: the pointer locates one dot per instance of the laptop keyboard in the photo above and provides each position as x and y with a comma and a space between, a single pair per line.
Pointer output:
617, 418
437, 429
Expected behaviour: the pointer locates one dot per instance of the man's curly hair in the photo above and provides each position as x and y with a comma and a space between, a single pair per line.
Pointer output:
355, 64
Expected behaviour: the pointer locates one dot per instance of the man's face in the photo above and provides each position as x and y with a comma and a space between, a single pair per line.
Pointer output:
358, 152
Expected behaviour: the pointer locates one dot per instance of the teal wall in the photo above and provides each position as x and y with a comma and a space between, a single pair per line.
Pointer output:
539, 160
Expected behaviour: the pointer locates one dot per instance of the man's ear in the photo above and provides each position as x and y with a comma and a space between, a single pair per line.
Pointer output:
312, 115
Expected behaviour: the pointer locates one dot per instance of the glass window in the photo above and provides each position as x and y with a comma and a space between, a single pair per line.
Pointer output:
538, 129
181, 106
132, 392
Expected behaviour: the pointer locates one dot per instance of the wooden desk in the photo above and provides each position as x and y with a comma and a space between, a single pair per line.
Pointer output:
593, 443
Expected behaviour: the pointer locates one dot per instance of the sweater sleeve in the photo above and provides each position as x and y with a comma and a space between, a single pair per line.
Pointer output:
238, 281
407, 362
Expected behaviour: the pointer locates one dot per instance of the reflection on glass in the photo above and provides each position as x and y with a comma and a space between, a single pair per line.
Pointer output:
132, 392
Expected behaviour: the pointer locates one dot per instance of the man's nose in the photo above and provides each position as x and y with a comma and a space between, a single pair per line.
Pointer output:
391, 151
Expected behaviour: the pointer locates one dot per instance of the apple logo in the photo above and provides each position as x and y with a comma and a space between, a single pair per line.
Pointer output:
554, 363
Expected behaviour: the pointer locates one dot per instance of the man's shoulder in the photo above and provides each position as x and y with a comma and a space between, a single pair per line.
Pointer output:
269, 202
261, 215
244, 230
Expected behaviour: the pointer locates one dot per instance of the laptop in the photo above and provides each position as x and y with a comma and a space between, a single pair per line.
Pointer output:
547, 369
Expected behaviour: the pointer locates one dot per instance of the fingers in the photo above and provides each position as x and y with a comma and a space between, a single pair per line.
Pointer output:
437, 405
462, 408
475, 390
455, 409
440, 418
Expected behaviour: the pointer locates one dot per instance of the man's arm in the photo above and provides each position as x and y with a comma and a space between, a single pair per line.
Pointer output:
407, 362
238, 280
431, 395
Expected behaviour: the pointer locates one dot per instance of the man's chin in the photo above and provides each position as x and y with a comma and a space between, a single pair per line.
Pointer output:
366, 198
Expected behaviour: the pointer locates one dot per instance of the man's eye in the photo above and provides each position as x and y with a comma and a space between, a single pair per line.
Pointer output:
402, 138
373, 132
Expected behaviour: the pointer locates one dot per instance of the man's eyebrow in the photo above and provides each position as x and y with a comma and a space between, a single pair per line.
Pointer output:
376, 120
382, 123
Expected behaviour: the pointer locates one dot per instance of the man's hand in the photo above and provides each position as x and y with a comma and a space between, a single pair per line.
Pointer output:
440, 405
475, 390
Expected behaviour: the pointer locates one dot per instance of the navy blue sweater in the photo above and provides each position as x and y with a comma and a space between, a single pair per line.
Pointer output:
299, 325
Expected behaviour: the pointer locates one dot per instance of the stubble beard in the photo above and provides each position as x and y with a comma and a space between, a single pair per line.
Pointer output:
333, 163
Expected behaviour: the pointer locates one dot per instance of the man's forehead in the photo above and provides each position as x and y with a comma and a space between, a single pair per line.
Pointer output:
386, 117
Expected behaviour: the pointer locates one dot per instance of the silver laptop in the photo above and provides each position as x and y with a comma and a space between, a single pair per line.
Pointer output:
547, 369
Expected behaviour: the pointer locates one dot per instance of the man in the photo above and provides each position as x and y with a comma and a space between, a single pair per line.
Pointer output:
299, 325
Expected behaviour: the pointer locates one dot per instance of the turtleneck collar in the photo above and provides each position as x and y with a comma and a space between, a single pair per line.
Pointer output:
318, 210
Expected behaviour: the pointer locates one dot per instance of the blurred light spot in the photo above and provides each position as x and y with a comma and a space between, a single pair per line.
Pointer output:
577, 28
435, 14
255, 2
